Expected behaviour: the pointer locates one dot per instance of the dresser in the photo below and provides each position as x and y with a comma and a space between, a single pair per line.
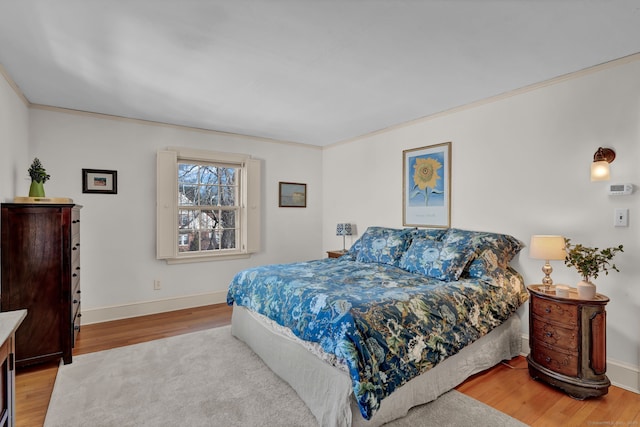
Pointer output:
567, 337
40, 252
9, 322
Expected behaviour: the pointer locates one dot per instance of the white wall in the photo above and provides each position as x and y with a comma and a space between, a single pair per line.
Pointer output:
520, 166
118, 231
14, 140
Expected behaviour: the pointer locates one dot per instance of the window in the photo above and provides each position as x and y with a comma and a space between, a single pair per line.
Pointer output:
208, 205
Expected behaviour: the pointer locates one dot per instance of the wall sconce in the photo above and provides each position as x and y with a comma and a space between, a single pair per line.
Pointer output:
600, 165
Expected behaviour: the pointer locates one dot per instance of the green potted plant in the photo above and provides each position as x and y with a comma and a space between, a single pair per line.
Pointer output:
590, 262
38, 176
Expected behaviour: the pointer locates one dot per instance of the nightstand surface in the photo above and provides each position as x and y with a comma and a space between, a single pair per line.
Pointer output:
567, 336
336, 254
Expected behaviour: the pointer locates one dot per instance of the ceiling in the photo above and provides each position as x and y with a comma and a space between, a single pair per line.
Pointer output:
308, 71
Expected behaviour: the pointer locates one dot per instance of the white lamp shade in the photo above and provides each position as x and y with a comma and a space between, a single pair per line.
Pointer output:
547, 247
600, 171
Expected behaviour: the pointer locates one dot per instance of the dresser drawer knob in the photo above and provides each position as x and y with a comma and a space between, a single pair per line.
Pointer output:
547, 309
75, 301
547, 359
78, 291
549, 334
76, 328
74, 275
79, 314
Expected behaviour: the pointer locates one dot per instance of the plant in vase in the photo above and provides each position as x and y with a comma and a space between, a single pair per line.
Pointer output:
38, 176
590, 262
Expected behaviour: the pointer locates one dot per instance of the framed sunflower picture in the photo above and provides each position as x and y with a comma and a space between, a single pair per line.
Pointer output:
426, 186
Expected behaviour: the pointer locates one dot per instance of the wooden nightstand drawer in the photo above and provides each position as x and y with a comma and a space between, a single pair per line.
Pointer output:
567, 337
557, 361
550, 334
552, 311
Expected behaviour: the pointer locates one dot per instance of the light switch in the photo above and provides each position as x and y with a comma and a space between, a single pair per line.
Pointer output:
621, 218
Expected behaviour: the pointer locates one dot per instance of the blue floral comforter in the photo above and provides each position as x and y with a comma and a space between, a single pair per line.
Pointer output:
387, 324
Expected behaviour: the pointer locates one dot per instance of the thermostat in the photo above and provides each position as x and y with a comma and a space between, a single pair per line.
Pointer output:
620, 189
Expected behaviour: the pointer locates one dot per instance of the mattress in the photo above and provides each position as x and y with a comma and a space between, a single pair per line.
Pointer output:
327, 389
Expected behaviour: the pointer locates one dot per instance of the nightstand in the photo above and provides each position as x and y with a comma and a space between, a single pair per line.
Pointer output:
336, 254
567, 337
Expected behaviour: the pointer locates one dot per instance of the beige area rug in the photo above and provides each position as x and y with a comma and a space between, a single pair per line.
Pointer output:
208, 378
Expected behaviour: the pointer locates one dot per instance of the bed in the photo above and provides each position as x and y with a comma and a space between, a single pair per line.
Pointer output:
404, 316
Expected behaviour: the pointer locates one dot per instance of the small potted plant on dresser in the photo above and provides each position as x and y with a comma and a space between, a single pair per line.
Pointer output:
39, 176
590, 262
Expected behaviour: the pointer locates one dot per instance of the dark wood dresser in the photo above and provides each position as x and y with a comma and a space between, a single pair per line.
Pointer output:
567, 337
40, 253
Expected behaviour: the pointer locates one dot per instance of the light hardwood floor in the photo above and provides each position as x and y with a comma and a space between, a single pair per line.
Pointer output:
506, 387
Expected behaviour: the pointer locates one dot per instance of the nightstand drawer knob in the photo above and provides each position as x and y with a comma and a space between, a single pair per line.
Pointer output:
547, 309
547, 359
549, 334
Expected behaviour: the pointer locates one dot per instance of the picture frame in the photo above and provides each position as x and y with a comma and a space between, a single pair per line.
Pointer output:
292, 195
426, 186
99, 181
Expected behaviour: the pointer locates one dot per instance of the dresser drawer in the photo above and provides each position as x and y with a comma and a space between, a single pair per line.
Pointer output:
75, 222
75, 280
563, 363
552, 311
76, 324
553, 335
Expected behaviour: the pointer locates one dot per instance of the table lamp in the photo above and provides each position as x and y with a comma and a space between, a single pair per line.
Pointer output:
547, 248
343, 230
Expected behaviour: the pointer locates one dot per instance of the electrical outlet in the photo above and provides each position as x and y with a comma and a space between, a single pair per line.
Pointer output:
621, 218
156, 285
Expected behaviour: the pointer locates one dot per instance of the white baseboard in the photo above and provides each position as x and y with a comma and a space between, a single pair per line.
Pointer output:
106, 314
619, 373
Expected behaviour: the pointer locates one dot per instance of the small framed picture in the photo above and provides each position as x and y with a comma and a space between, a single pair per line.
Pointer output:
99, 181
292, 195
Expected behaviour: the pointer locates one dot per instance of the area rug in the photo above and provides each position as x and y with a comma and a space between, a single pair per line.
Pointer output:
208, 378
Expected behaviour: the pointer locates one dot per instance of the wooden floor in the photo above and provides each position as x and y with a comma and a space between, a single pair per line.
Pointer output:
506, 387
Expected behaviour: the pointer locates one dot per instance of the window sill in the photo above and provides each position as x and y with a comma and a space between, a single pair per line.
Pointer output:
206, 258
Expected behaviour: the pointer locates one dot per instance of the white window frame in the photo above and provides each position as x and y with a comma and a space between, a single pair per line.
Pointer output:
167, 204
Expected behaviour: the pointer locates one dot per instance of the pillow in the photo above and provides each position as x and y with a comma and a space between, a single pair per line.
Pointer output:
485, 267
429, 233
502, 246
439, 260
383, 245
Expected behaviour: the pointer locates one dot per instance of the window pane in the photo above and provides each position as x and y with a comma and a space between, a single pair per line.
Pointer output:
208, 175
228, 219
208, 241
188, 173
228, 176
187, 219
228, 240
228, 196
208, 195
191, 242
208, 220
187, 194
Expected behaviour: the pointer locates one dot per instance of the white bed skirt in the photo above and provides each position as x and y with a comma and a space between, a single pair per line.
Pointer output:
327, 390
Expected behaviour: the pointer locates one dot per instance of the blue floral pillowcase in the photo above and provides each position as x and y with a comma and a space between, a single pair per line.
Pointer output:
383, 245
442, 254
441, 260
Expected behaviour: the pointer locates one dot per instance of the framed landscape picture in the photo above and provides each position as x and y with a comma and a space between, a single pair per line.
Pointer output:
99, 181
292, 195
426, 186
